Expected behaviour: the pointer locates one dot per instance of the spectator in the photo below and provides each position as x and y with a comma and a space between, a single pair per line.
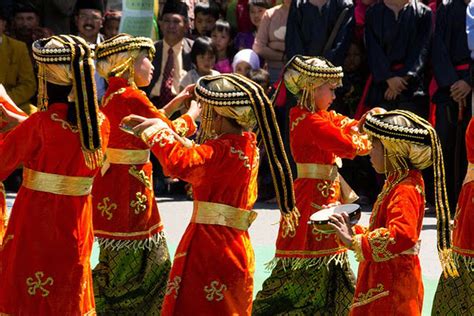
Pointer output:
397, 58
245, 61
56, 14
89, 18
16, 70
173, 54
270, 39
25, 20
451, 66
203, 56
205, 17
311, 24
111, 24
222, 38
257, 9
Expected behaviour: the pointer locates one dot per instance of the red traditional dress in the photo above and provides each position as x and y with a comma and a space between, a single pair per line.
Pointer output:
45, 256
389, 280
214, 263
448, 299
318, 140
126, 219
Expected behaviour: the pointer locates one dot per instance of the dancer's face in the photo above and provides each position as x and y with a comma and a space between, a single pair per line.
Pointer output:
143, 70
324, 95
377, 156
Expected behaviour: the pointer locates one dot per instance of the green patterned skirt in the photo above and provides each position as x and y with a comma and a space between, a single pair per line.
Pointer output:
324, 289
455, 296
131, 280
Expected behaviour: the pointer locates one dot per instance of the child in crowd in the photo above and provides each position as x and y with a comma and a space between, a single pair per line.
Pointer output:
244, 61
257, 9
222, 38
203, 56
111, 24
205, 17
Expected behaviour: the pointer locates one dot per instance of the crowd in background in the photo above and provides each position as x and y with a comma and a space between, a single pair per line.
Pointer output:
395, 54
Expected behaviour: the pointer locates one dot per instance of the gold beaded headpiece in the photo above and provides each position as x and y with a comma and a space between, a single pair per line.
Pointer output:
233, 93
423, 134
303, 74
122, 43
75, 53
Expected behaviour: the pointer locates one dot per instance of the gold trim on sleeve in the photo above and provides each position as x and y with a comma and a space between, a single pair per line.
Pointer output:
379, 241
357, 247
127, 156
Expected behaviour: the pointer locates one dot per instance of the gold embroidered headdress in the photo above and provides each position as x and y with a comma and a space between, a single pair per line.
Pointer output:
236, 97
303, 74
117, 55
410, 141
67, 60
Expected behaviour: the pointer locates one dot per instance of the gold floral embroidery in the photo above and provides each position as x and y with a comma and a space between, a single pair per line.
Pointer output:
326, 188
214, 291
320, 235
357, 247
141, 176
297, 121
346, 121
110, 96
139, 205
242, 156
173, 286
180, 126
105, 208
371, 295
162, 137
379, 240
38, 284
64, 124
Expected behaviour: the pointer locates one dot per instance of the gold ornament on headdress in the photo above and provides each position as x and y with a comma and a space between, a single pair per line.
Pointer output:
130, 47
303, 74
75, 55
423, 134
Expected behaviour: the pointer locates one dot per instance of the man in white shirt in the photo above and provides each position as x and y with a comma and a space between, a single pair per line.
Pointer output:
169, 70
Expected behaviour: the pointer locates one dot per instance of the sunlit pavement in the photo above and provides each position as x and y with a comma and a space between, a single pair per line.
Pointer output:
176, 213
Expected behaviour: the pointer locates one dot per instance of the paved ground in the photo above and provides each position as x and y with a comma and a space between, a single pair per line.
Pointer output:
176, 215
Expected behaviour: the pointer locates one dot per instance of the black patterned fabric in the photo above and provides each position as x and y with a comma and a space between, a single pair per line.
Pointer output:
327, 290
455, 296
131, 282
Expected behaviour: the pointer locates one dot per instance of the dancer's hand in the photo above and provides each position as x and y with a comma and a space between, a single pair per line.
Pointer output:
194, 109
341, 224
376, 110
179, 100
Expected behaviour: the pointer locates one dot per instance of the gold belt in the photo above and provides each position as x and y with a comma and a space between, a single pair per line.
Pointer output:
317, 171
222, 214
128, 156
469, 174
56, 184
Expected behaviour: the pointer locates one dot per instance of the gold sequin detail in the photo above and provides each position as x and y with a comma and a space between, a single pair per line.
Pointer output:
139, 205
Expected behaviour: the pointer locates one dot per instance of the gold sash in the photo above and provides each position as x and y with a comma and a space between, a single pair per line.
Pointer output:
317, 171
222, 214
56, 184
469, 174
128, 156
326, 172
